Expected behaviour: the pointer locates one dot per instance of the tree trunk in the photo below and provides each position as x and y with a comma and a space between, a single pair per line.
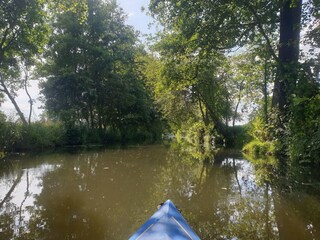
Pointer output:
27, 92
7, 92
265, 92
204, 113
290, 17
235, 113
91, 115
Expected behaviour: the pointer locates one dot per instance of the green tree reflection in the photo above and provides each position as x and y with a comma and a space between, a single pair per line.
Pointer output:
108, 194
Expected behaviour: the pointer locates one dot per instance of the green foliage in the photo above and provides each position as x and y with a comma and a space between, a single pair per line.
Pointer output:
261, 144
241, 136
258, 148
94, 83
188, 87
245, 81
197, 79
291, 127
258, 129
40, 136
230, 23
9, 136
24, 32
49, 135
304, 137
197, 140
195, 133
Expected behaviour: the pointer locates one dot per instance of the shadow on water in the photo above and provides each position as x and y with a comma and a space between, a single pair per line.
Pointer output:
109, 193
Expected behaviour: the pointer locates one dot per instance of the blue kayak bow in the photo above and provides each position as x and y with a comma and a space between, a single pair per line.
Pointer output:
165, 224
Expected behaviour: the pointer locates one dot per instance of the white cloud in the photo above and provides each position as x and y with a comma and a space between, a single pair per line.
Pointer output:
131, 14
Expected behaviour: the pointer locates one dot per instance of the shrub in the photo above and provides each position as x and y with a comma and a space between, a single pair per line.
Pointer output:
258, 148
304, 134
40, 136
10, 134
240, 136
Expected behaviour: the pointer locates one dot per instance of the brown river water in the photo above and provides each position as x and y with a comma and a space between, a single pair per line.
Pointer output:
109, 193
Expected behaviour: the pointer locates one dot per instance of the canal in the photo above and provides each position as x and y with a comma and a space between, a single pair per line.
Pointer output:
109, 193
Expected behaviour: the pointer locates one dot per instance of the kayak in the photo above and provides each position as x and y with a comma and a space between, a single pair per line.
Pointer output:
166, 224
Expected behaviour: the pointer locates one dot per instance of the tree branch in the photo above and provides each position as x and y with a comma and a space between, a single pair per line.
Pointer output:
4, 38
13, 101
261, 29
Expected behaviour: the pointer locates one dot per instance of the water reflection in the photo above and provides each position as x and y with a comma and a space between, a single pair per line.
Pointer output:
108, 194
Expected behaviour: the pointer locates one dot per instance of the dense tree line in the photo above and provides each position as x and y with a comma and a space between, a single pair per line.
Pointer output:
213, 63
92, 70
197, 48
88, 57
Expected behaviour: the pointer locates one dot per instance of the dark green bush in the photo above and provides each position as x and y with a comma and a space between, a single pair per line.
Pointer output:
10, 135
241, 136
304, 134
45, 135
40, 136
73, 135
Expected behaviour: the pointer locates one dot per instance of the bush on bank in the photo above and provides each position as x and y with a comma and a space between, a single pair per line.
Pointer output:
260, 145
258, 148
16, 137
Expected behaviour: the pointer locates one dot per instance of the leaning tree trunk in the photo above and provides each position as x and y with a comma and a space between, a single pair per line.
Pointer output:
285, 83
13, 101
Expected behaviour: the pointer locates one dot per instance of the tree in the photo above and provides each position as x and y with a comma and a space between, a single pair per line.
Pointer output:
246, 83
23, 34
187, 87
222, 26
219, 25
289, 42
92, 73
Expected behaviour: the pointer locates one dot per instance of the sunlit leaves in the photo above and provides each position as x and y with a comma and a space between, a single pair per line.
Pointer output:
218, 24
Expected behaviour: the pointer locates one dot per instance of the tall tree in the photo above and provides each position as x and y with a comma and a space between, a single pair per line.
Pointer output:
23, 34
186, 85
92, 71
289, 46
224, 25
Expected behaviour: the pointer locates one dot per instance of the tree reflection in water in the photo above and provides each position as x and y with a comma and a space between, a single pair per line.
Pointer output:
108, 194
220, 197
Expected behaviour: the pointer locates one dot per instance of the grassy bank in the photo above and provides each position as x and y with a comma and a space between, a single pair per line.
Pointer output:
259, 148
41, 136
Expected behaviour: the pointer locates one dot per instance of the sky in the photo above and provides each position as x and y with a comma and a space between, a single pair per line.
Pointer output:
135, 17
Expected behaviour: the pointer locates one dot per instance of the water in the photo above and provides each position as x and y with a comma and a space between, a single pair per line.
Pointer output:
109, 193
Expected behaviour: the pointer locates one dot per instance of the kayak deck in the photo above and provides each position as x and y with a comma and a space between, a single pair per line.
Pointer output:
166, 224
